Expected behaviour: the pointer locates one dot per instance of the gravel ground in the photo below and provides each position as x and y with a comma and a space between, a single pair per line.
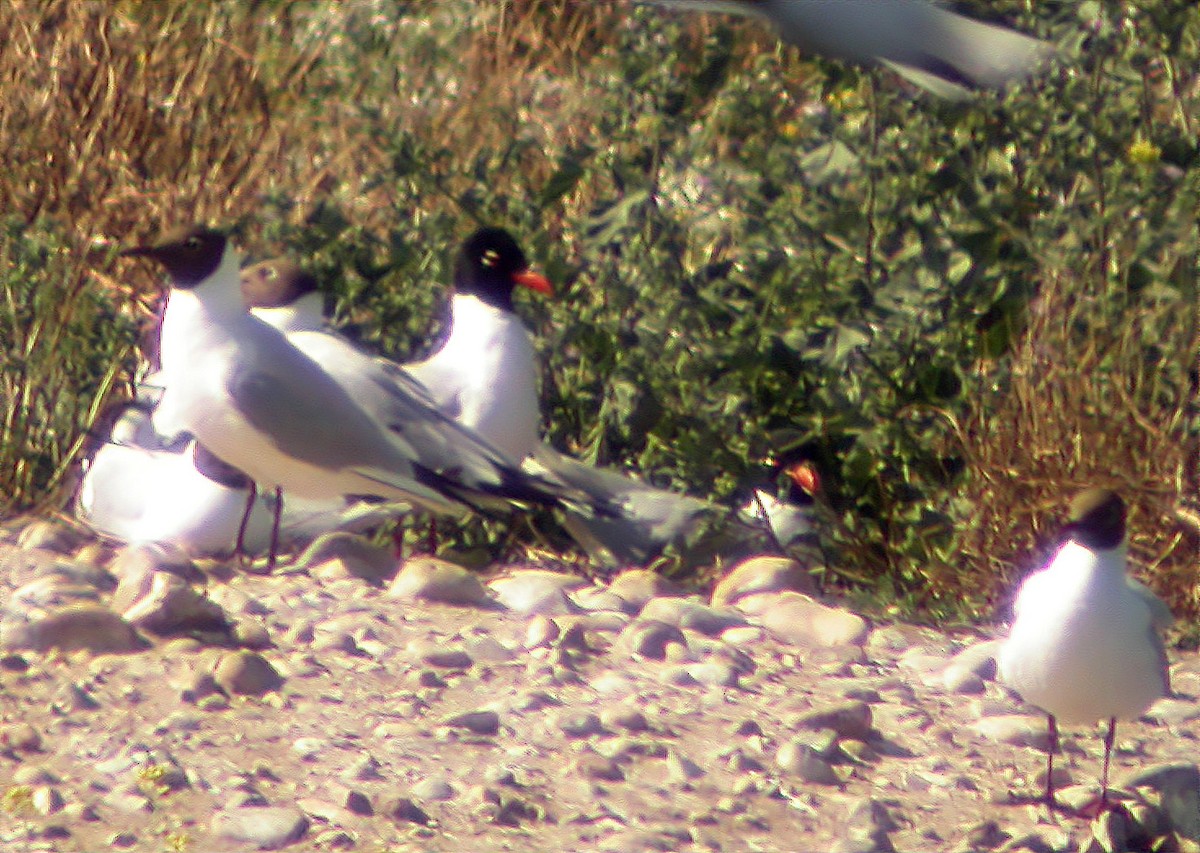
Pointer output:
153, 703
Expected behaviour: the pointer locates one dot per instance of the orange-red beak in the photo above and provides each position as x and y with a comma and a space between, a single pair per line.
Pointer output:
534, 281
805, 476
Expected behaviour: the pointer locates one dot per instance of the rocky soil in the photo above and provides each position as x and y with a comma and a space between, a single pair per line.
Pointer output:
151, 703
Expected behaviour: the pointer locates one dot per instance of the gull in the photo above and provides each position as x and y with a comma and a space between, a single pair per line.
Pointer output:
1084, 644
344, 426
938, 50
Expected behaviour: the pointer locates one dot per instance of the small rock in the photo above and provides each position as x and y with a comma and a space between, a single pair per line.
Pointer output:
50, 536
20, 737
648, 639
431, 579
246, 673
1014, 729
598, 768
86, 627
761, 574
680, 768
637, 586
339, 555
580, 724
533, 591
1179, 791
714, 673
542, 631
404, 810
433, 789
798, 619
690, 614
630, 719
359, 803
800, 759
146, 559
47, 800
476, 722
267, 827
851, 720
165, 604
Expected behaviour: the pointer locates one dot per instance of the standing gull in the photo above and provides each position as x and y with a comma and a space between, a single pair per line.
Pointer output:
1084, 644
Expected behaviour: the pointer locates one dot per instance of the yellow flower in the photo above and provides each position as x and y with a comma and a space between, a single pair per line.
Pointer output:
1143, 152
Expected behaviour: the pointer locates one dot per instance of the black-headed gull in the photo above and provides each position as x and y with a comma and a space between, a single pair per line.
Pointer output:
1084, 644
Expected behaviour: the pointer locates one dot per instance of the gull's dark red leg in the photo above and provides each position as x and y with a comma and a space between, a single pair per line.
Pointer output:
239, 548
275, 529
1051, 747
1109, 737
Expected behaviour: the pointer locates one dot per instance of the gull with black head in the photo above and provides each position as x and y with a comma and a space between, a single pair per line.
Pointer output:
1084, 644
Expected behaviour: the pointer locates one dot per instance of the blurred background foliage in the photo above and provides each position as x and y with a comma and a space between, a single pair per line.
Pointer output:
969, 309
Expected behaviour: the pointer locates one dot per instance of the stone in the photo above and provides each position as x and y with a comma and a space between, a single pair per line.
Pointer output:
476, 722
691, 614
1014, 730
51, 535
341, 554
431, 579
533, 592
434, 789
800, 759
1178, 785
850, 720
145, 559
796, 618
759, 575
404, 810
637, 586
166, 604
246, 673
266, 827
86, 627
648, 639
580, 724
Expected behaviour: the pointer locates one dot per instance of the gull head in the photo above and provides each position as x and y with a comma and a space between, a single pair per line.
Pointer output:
1097, 519
190, 254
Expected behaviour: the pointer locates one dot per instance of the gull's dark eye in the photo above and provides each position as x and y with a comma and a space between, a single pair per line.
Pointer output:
191, 243
490, 257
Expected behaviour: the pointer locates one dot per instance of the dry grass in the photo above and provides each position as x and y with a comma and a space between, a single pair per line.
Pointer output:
1095, 398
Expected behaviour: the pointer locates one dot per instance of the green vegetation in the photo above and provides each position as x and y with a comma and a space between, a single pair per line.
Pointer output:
972, 309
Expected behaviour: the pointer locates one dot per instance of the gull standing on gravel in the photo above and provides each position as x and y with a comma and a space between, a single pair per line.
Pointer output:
939, 50
1084, 644
261, 404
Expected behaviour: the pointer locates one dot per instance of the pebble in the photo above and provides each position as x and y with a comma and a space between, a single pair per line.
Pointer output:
796, 618
340, 555
268, 827
246, 673
434, 790
648, 639
431, 579
580, 724
1014, 730
85, 627
761, 574
636, 587
850, 720
476, 722
691, 614
163, 603
404, 810
532, 591
800, 759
